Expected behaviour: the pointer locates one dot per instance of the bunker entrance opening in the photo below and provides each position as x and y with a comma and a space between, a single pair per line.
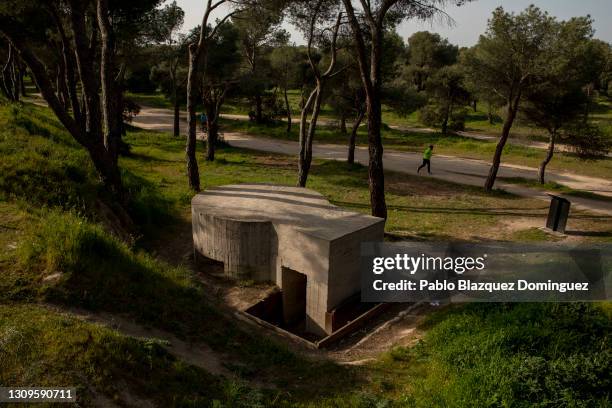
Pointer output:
294, 300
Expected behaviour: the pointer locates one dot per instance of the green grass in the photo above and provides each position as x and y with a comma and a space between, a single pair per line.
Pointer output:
63, 237
535, 235
64, 255
519, 355
153, 100
45, 348
242, 106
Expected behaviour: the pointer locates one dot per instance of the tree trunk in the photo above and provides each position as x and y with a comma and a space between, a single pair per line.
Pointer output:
193, 174
62, 89
305, 156
353, 137
376, 174
258, 109
68, 60
15, 77
7, 78
315, 99
84, 55
490, 113
288, 109
549, 155
106, 166
177, 117
343, 123
375, 166
445, 121
111, 99
370, 73
213, 100
448, 112
474, 105
22, 80
587, 105
213, 131
512, 110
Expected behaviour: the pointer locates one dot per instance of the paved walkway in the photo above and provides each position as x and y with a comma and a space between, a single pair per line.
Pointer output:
454, 169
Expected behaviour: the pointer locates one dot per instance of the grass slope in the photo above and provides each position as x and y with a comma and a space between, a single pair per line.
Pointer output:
55, 247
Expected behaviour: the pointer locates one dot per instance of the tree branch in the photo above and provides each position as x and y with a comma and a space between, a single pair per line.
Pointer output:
44, 83
334, 50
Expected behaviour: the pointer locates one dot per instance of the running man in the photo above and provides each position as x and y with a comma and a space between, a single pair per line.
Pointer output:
426, 159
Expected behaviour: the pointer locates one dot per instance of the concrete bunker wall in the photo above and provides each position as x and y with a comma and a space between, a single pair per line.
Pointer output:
244, 246
308, 256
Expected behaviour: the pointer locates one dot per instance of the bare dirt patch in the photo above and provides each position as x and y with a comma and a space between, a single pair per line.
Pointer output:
401, 184
276, 161
518, 224
398, 327
237, 295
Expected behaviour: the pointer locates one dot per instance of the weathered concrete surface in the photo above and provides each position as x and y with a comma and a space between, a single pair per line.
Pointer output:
268, 232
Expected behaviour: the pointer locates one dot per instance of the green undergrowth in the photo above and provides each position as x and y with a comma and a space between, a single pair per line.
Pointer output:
519, 355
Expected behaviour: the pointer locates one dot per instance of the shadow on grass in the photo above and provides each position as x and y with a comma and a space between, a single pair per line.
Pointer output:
518, 212
30, 119
151, 159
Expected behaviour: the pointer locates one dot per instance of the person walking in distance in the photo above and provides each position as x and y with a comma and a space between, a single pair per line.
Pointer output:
203, 122
426, 159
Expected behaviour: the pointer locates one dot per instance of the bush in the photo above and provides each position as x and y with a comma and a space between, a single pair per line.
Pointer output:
431, 115
457, 119
589, 141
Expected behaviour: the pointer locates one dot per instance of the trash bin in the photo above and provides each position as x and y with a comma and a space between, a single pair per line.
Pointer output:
557, 213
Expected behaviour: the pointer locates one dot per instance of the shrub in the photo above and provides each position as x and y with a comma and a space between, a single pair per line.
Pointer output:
457, 119
431, 115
